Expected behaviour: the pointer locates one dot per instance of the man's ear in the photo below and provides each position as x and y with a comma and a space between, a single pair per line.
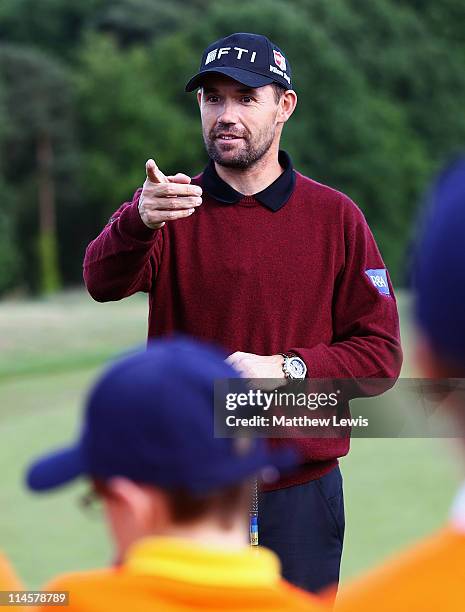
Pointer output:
199, 96
287, 105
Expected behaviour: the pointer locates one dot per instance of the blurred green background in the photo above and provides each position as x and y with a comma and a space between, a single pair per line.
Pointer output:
88, 91
396, 489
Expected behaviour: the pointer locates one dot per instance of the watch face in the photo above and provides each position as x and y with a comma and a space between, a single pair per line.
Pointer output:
296, 367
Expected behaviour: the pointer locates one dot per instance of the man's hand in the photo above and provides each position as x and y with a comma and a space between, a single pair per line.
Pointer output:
166, 198
250, 365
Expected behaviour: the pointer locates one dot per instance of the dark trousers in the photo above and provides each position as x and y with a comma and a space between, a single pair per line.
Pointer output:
304, 526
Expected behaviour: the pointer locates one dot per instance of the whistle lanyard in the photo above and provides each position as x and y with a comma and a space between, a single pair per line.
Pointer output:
254, 515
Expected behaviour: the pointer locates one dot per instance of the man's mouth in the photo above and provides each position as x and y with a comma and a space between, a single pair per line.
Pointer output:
227, 137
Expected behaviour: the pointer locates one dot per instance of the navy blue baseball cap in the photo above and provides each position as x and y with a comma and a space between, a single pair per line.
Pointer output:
439, 265
251, 59
149, 418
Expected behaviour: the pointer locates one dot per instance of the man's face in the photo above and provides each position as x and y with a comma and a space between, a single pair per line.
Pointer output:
239, 123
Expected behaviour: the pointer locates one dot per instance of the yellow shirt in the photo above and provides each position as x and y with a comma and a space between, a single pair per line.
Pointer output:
173, 575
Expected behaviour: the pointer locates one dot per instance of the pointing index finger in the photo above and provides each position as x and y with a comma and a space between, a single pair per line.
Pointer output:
154, 174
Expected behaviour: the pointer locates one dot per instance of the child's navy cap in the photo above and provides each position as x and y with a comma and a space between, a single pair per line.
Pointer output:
149, 418
251, 59
439, 266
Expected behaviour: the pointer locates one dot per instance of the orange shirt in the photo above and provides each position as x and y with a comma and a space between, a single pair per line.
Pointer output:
8, 579
429, 577
173, 575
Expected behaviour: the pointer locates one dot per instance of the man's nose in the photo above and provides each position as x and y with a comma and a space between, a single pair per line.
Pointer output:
228, 113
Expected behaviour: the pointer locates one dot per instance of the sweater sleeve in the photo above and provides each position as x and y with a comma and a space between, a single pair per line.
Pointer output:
124, 257
366, 335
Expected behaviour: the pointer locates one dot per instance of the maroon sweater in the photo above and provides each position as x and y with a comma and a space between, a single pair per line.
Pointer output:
262, 281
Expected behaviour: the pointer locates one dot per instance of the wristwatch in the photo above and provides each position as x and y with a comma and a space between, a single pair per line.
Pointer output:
294, 367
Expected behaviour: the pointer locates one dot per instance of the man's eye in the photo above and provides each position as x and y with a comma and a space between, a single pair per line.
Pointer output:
212, 98
246, 99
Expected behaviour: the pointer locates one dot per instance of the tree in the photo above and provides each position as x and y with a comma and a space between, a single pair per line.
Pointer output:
381, 89
53, 26
37, 99
127, 115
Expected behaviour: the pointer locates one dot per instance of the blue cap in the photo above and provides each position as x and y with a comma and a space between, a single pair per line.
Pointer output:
439, 265
251, 59
149, 418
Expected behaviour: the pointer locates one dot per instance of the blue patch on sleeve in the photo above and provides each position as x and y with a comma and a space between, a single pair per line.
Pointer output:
379, 280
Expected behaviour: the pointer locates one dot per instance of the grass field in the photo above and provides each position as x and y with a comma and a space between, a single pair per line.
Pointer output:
396, 489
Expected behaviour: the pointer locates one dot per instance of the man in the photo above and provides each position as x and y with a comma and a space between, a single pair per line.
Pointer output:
176, 499
430, 577
279, 269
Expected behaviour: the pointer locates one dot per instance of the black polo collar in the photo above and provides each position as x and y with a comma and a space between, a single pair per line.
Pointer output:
273, 197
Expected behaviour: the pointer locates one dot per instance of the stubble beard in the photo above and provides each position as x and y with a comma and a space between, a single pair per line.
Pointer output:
250, 152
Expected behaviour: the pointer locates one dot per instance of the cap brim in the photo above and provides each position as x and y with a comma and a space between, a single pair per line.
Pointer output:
251, 79
56, 469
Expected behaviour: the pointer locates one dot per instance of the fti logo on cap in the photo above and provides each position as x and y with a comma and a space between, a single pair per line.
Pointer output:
279, 60
379, 279
216, 54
